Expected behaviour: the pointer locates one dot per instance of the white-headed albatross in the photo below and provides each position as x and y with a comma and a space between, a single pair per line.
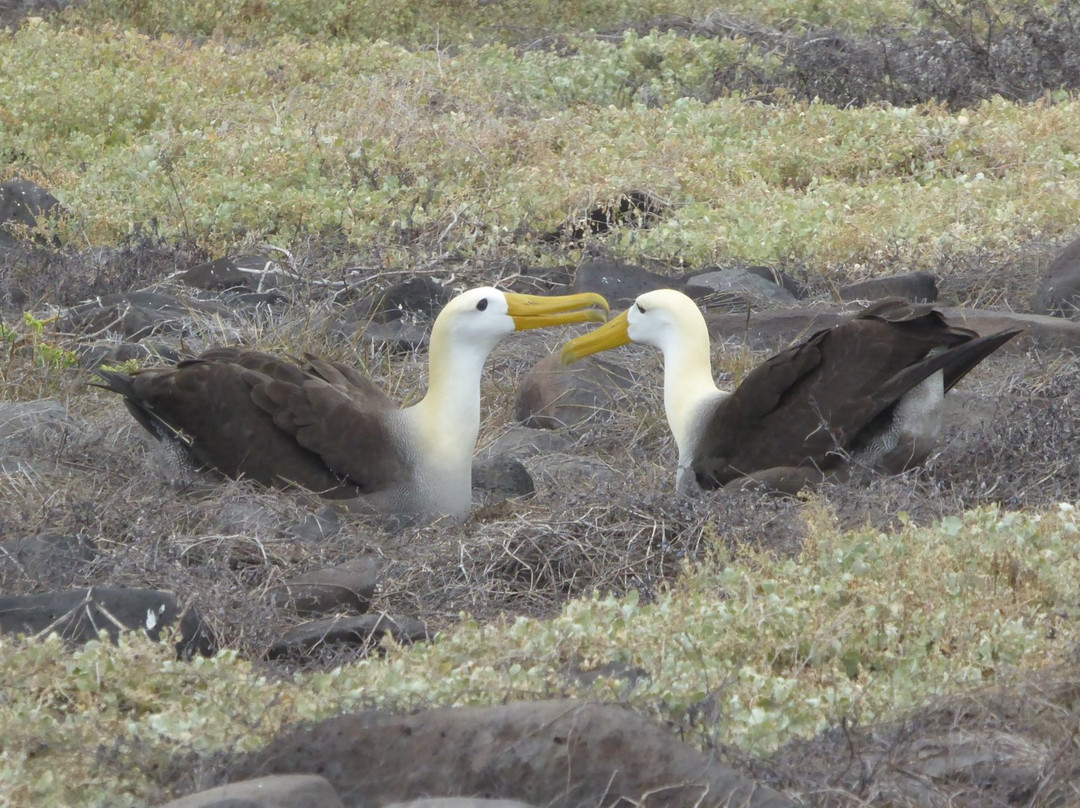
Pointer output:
327, 428
867, 390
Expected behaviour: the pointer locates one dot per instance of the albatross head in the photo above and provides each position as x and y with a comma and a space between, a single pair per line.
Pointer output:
444, 425
664, 318
477, 319
672, 322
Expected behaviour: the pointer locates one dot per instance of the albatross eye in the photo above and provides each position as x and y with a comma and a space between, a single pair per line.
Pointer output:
640, 308
482, 305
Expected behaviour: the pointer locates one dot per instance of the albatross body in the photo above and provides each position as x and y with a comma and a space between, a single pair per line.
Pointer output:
325, 427
867, 391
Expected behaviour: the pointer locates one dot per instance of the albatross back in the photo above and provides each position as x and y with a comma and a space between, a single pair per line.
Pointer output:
838, 393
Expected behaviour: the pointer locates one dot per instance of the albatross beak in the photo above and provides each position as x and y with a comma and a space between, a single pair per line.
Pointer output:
535, 311
610, 335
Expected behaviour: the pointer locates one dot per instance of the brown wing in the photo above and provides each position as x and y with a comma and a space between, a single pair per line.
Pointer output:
816, 401
362, 390
352, 439
247, 413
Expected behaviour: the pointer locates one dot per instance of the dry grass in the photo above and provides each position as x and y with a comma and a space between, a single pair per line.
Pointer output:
1011, 744
604, 519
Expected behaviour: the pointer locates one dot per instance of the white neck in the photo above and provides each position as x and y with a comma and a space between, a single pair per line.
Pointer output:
443, 426
448, 416
688, 383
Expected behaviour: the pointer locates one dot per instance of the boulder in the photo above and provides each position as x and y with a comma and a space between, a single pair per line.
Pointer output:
501, 477
250, 272
739, 287
79, 615
115, 352
619, 283
420, 297
44, 556
23, 203
362, 632
137, 315
771, 330
796, 288
918, 287
275, 791
558, 754
348, 587
1042, 331
553, 395
1059, 293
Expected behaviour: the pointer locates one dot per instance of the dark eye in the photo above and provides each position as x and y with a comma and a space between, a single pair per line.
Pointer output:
640, 308
482, 304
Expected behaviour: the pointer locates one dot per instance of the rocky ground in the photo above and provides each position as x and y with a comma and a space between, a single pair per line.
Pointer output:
92, 501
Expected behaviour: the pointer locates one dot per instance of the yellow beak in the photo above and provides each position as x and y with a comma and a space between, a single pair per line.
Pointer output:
611, 335
536, 311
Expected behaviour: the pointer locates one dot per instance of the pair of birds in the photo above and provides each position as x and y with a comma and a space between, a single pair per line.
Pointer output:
867, 390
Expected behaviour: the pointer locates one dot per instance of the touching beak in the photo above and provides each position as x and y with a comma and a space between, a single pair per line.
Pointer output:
610, 335
535, 311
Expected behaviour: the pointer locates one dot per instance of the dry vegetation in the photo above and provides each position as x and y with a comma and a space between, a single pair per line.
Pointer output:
801, 639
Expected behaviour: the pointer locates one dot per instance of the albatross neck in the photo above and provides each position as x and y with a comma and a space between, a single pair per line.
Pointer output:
449, 414
688, 382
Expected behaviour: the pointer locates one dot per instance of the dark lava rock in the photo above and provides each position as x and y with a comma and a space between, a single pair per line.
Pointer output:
275, 791
559, 754
738, 283
250, 272
420, 296
403, 335
553, 395
136, 315
44, 556
348, 587
22, 203
1059, 292
502, 477
769, 330
778, 276
362, 632
1049, 333
78, 615
539, 280
918, 287
619, 283
111, 352
254, 301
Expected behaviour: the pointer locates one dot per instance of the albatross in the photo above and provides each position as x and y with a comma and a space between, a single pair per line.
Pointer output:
326, 427
866, 392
